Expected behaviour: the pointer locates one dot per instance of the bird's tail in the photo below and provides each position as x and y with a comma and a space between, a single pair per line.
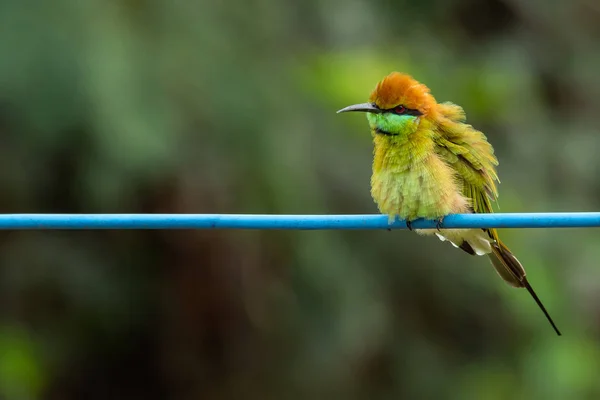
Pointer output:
511, 270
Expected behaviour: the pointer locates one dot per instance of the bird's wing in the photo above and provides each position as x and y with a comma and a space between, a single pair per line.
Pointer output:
470, 154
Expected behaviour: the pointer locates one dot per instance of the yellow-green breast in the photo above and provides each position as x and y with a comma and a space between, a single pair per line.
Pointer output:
410, 180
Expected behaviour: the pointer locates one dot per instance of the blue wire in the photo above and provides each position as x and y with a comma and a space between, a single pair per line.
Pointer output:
302, 222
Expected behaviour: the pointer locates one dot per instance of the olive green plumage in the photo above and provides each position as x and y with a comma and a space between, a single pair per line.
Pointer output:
428, 163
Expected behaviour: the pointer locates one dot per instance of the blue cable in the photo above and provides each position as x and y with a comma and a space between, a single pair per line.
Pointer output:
296, 222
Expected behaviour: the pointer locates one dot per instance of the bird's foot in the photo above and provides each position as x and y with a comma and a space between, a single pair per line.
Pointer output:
409, 225
438, 223
391, 220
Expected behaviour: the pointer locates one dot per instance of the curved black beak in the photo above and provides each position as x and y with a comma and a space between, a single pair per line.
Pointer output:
364, 107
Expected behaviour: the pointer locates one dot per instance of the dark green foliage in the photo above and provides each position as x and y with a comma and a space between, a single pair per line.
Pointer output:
201, 107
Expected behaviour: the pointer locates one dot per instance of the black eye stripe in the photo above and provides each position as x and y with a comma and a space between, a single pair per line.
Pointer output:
407, 111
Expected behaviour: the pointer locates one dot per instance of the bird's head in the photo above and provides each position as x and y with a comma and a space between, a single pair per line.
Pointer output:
397, 105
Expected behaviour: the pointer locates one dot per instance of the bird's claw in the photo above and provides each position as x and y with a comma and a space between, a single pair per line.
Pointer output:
438, 223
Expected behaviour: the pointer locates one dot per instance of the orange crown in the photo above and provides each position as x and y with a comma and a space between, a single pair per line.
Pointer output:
401, 89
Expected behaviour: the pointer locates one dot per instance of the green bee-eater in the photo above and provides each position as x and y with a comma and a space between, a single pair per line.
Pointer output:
429, 163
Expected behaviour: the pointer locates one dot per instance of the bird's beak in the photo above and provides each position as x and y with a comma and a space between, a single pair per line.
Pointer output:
364, 107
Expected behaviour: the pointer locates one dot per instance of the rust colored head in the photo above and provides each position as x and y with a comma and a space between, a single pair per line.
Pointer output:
401, 89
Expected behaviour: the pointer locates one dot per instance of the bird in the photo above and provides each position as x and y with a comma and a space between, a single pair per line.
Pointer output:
429, 163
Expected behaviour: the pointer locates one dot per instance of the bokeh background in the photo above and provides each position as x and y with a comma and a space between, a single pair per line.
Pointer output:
176, 106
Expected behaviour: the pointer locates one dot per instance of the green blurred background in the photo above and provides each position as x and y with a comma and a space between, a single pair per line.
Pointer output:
178, 106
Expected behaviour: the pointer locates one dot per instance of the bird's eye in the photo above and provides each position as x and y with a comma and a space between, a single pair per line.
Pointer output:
400, 110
